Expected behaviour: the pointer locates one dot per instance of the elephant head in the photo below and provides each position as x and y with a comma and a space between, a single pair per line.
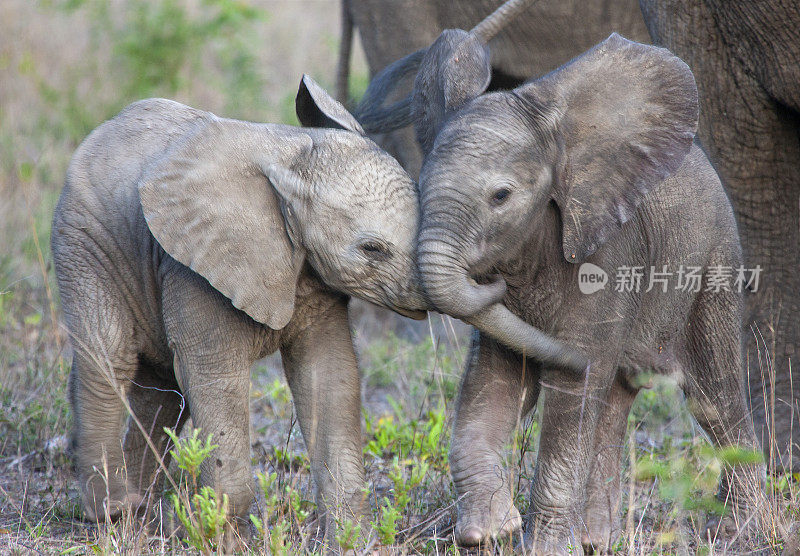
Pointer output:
591, 138
452, 71
247, 205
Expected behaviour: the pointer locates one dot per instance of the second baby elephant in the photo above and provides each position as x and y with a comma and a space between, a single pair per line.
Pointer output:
187, 246
593, 163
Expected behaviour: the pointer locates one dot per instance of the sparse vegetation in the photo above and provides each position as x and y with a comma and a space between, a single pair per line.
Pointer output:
78, 63
201, 510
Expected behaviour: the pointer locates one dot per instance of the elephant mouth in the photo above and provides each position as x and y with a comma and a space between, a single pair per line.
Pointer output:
415, 314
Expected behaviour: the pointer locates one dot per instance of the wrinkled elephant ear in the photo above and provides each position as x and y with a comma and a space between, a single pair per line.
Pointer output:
455, 69
628, 116
210, 204
316, 108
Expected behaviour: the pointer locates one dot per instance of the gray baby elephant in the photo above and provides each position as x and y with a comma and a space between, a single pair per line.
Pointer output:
187, 246
589, 169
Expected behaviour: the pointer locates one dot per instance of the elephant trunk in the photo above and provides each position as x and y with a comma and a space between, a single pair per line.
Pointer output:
448, 284
451, 290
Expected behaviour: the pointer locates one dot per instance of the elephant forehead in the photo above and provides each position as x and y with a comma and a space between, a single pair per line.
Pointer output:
369, 194
468, 158
395, 220
368, 183
355, 166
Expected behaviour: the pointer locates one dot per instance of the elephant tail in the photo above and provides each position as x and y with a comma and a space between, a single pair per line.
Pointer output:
345, 52
494, 22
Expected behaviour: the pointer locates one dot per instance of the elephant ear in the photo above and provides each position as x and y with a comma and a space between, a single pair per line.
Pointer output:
316, 108
213, 203
455, 69
628, 118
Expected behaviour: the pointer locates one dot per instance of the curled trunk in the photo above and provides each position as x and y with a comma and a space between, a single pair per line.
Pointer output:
452, 291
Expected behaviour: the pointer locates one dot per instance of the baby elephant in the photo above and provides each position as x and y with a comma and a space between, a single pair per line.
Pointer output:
188, 246
589, 172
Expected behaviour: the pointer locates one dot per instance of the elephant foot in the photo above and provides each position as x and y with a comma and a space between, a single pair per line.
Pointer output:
720, 528
551, 537
749, 523
601, 531
324, 528
483, 521
236, 537
101, 502
598, 540
538, 545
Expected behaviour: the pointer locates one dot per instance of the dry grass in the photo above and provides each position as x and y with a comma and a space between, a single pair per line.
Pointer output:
410, 377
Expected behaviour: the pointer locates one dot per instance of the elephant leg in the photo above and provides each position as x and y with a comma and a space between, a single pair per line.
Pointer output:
602, 512
714, 388
497, 390
769, 223
323, 375
568, 422
105, 360
96, 393
750, 131
217, 392
213, 348
157, 404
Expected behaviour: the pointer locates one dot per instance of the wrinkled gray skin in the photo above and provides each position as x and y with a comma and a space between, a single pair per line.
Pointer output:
594, 162
745, 58
188, 246
541, 38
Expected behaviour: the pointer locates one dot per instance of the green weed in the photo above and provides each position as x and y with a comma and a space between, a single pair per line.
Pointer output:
285, 512
202, 512
405, 476
348, 533
425, 438
690, 482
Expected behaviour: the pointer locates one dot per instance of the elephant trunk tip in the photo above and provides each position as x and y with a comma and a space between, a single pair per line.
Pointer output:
461, 296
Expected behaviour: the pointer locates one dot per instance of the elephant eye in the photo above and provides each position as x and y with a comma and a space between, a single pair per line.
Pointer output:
500, 196
374, 250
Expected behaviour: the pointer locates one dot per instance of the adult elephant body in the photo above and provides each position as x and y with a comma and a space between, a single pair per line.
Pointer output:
745, 60
538, 40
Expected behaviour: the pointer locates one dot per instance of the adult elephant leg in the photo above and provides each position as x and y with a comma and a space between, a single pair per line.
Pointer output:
768, 210
321, 369
754, 143
497, 391
602, 512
